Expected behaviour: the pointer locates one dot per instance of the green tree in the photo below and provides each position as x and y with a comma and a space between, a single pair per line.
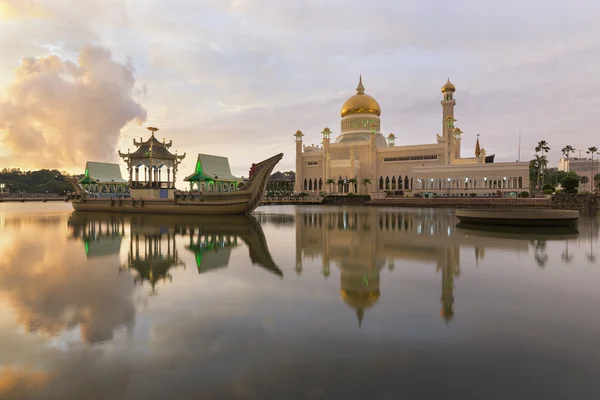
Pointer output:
354, 183
570, 184
536, 167
365, 182
584, 179
566, 151
542, 147
330, 182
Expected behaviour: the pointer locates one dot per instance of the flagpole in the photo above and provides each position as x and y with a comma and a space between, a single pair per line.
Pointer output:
519, 146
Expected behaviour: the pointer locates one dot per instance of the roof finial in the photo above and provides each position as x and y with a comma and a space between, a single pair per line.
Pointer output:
477, 147
152, 129
360, 89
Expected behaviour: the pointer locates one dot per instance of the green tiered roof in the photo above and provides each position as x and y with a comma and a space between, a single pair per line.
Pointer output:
99, 172
212, 168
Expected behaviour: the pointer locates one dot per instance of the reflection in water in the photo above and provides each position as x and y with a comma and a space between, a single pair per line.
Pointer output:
153, 247
361, 243
235, 332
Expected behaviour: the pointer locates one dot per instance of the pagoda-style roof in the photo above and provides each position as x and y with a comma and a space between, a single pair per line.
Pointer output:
103, 173
151, 148
212, 168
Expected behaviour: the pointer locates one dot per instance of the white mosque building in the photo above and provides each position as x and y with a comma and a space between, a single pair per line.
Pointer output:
361, 151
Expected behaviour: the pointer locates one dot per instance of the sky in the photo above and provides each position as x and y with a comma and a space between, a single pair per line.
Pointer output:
80, 79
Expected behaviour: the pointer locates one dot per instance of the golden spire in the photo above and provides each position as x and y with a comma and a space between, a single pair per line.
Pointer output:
360, 89
477, 148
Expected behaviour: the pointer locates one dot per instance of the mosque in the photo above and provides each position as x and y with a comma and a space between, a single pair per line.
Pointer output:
361, 160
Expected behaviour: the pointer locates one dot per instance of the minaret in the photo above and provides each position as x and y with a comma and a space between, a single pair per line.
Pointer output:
326, 157
298, 187
448, 120
447, 102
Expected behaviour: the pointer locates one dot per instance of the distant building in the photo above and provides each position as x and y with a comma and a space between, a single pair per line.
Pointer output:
361, 152
582, 167
213, 174
281, 184
4, 188
103, 180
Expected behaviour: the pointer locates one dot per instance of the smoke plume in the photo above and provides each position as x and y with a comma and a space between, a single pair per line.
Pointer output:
59, 114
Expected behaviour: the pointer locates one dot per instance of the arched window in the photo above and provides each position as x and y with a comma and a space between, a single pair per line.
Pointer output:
320, 184
315, 184
406, 182
400, 182
393, 183
381, 183
387, 183
520, 182
310, 186
305, 184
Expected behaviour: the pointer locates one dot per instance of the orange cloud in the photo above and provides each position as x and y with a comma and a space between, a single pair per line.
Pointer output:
59, 114
14, 382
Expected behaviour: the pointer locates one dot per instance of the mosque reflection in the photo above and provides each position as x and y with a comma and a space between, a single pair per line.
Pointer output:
361, 242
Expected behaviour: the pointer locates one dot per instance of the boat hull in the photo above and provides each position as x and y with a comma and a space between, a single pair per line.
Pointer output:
194, 207
519, 217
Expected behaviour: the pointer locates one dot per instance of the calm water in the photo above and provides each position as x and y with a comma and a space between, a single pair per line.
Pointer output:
308, 302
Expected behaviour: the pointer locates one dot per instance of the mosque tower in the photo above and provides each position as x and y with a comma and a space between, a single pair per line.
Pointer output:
450, 133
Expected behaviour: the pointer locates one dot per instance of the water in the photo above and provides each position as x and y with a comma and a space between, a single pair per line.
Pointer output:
307, 302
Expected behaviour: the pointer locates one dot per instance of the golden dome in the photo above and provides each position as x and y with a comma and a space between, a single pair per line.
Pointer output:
360, 103
448, 87
391, 136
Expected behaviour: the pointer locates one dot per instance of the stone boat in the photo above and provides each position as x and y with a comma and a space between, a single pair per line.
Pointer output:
518, 217
239, 202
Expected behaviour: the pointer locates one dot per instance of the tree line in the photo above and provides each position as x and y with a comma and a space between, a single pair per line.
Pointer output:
40, 181
548, 178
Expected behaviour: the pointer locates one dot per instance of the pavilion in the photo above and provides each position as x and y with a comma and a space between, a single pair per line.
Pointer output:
103, 180
213, 174
152, 155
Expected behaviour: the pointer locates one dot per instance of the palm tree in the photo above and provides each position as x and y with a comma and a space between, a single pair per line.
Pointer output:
592, 151
566, 150
539, 164
543, 148
354, 183
330, 182
365, 182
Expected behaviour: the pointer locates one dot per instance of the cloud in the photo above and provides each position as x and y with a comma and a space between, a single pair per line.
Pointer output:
41, 279
212, 66
59, 114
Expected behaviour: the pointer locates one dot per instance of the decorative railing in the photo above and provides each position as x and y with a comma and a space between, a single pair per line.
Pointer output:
293, 200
